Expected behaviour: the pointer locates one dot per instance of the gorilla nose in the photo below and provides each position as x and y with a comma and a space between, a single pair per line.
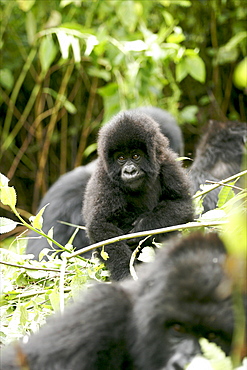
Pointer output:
130, 171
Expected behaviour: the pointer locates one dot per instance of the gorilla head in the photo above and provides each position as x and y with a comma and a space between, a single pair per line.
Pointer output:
192, 299
132, 149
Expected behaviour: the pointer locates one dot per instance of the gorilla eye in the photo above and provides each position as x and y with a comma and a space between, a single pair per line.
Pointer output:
211, 336
136, 157
179, 328
121, 158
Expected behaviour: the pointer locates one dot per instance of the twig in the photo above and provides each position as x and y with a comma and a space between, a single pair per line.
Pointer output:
221, 183
31, 268
61, 284
18, 295
199, 194
189, 225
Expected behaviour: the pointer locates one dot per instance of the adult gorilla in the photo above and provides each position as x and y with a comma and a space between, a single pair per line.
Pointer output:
153, 323
137, 185
219, 155
65, 195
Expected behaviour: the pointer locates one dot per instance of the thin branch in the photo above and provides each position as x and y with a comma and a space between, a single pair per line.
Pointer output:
18, 295
32, 268
189, 225
240, 174
221, 183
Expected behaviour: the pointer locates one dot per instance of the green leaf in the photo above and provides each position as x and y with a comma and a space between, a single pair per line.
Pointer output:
3, 180
8, 196
54, 298
127, 15
89, 150
184, 3
76, 49
25, 5
37, 274
31, 27
226, 55
91, 42
147, 254
213, 215
235, 236
7, 225
175, 38
215, 355
6, 78
37, 221
104, 254
196, 68
188, 114
181, 70
229, 52
101, 73
62, 98
225, 194
47, 52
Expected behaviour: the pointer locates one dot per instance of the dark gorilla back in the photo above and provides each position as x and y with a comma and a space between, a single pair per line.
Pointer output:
65, 202
66, 194
153, 323
168, 126
219, 155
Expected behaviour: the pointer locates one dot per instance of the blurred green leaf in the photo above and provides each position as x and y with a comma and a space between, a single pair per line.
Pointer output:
188, 114
7, 225
31, 27
8, 196
47, 52
70, 107
6, 78
127, 14
25, 5
195, 66
225, 194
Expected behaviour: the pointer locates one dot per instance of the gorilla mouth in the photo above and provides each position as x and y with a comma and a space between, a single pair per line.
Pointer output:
134, 183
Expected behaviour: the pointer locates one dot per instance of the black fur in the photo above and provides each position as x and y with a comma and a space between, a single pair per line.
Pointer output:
155, 195
219, 155
168, 126
65, 195
64, 198
153, 323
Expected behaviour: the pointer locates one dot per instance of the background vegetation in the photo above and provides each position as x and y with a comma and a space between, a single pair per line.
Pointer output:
68, 65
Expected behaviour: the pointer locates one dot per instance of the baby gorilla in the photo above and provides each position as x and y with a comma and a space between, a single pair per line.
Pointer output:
154, 323
65, 195
137, 185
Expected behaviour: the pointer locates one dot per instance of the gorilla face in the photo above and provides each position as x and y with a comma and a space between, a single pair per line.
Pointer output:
131, 165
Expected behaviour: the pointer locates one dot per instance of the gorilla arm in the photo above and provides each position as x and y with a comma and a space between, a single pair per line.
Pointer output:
101, 213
